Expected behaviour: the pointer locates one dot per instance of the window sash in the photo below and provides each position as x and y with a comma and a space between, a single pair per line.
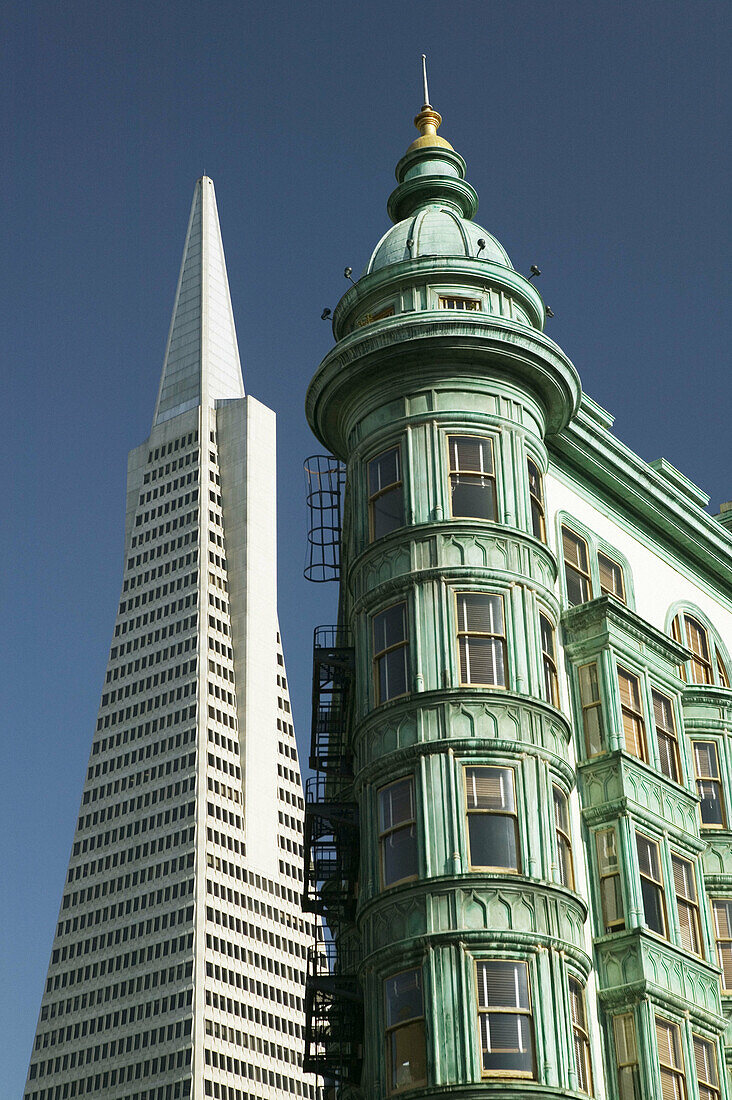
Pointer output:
405, 1032
581, 1039
626, 1056
654, 902
491, 800
563, 838
611, 577
686, 904
391, 653
505, 1021
548, 653
611, 892
481, 639
705, 1062
398, 832
668, 1040
472, 477
589, 686
666, 739
722, 916
576, 567
708, 784
536, 499
386, 493
632, 713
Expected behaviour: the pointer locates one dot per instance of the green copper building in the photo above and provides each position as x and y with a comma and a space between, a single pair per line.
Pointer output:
520, 830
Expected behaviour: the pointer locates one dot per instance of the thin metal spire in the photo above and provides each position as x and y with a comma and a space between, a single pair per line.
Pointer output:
424, 82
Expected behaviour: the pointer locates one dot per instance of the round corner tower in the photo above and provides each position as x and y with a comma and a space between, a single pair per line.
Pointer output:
464, 928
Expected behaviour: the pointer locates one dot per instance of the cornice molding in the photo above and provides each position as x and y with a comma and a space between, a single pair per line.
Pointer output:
645, 494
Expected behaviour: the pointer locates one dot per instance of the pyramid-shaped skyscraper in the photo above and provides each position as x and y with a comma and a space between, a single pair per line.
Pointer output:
178, 965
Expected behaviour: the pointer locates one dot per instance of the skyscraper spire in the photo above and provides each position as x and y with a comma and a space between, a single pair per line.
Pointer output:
201, 363
177, 970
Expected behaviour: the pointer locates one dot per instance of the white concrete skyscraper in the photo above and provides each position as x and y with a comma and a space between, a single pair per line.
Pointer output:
178, 965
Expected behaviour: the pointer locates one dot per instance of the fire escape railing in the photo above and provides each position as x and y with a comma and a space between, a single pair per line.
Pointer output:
333, 1001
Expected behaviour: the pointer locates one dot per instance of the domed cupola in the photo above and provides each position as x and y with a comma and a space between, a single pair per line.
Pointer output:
433, 205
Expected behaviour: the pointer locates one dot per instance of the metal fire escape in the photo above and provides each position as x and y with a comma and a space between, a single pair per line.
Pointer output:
333, 998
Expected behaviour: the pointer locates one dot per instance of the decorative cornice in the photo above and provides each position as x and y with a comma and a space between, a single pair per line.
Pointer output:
645, 494
607, 609
478, 346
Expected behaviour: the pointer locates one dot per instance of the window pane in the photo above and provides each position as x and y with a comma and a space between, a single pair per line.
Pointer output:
653, 907
400, 855
611, 898
575, 549
403, 997
387, 512
507, 1042
480, 613
482, 661
393, 674
493, 841
490, 789
407, 1057
473, 497
471, 454
648, 858
607, 858
503, 984
384, 471
396, 804
710, 805
611, 577
390, 627
722, 911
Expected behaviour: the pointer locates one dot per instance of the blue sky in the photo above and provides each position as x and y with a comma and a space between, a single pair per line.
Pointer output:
596, 135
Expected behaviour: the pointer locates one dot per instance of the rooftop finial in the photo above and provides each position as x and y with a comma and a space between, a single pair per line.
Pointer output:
424, 82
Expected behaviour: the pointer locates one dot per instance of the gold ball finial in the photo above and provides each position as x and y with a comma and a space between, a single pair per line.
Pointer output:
428, 120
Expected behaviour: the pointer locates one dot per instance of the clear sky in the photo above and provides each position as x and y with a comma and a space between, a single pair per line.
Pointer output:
597, 136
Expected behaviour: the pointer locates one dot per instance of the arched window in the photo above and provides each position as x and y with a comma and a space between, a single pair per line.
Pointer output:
707, 663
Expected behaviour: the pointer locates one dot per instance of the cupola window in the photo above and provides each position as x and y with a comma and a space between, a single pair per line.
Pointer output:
472, 477
451, 301
380, 315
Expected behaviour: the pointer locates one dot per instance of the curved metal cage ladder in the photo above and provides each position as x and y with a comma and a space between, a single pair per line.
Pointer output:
324, 480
